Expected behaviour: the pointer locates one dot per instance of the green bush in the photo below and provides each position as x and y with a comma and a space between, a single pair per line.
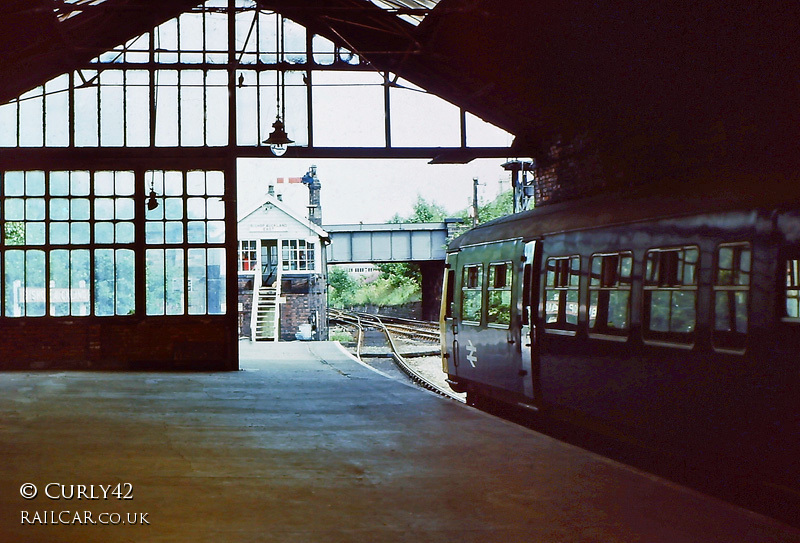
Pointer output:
342, 336
344, 291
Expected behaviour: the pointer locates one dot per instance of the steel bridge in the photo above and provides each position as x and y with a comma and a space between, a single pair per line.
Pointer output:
421, 243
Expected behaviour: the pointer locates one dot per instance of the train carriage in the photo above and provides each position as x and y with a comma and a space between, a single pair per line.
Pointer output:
673, 322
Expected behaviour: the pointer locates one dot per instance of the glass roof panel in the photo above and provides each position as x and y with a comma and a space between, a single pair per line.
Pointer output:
411, 11
66, 9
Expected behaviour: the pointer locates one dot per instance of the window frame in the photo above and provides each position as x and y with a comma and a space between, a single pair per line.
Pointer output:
621, 284
566, 279
184, 240
293, 253
671, 285
465, 289
250, 250
74, 232
449, 292
785, 288
738, 339
506, 288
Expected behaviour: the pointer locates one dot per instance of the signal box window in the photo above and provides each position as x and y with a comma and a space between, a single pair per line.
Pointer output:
471, 293
792, 290
731, 290
610, 293
561, 292
670, 294
298, 255
247, 255
498, 309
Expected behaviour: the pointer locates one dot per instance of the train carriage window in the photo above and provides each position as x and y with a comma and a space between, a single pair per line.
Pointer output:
731, 291
561, 292
792, 311
498, 307
526, 293
670, 294
610, 293
471, 293
449, 292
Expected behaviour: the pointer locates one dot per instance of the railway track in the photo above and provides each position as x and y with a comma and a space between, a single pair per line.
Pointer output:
424, 333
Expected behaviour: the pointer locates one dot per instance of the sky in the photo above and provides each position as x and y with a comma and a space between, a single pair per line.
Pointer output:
374, 190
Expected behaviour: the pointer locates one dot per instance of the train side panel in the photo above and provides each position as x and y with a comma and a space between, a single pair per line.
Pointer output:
658, 377
672, 332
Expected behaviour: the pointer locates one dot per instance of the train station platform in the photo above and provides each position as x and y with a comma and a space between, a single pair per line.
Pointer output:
307, 445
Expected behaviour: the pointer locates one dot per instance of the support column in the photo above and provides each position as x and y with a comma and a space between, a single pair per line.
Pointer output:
432, 274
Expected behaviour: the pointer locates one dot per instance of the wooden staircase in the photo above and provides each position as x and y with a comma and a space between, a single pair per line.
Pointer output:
265, 314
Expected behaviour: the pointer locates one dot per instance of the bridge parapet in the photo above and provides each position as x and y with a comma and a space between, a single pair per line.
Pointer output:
391, 242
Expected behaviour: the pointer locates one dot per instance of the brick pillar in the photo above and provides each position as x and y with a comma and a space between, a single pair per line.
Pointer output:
570, 170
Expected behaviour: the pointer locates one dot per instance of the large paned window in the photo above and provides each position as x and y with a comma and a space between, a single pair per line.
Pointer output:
561, 293
731, 291
471, 293
498, 303
185, 237
68, 243
610, 293
298, 255
114, 292
670, 294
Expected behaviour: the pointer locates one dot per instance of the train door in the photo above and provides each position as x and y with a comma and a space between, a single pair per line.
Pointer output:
529, 320
488, 348
448, 326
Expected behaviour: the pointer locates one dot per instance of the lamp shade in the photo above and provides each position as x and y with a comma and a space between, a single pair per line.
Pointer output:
278, 139
278, 135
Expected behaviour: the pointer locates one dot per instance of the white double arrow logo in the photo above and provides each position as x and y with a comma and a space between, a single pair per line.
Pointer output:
472, 349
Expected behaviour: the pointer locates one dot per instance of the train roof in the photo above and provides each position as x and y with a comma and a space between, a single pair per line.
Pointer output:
635, 206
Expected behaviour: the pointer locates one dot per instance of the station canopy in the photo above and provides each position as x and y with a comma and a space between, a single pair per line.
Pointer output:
691, 83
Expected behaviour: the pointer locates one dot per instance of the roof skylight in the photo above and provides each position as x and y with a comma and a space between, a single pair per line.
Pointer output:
411, 11
66, 9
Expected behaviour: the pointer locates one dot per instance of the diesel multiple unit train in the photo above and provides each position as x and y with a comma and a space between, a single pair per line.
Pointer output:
669, 322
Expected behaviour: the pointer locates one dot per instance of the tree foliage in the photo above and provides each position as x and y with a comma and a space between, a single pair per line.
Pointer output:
14, 233
425, 211
341, 287
408, 274
501, 206
345, 291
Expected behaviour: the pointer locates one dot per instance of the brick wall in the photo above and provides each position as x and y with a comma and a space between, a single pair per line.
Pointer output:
306, 303
152, 343
570, 170
304, 296
246, 304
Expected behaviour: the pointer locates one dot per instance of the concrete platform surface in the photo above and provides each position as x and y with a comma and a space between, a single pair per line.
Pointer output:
306, 445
